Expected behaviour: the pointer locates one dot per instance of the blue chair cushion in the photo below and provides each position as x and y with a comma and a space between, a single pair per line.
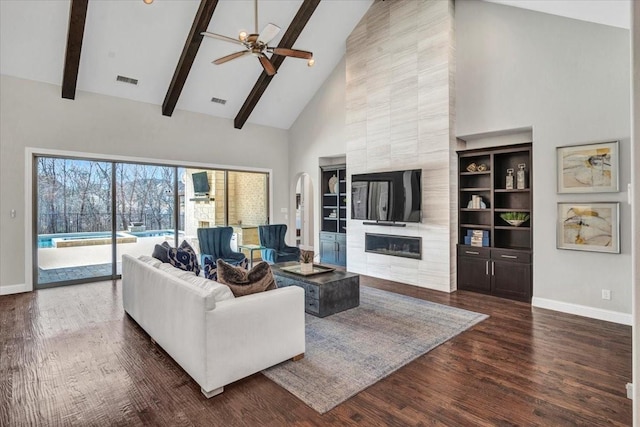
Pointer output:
287, 256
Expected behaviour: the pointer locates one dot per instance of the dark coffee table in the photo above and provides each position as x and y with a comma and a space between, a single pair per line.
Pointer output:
325, 293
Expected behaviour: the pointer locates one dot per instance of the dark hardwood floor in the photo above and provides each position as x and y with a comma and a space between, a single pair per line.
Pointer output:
70, 356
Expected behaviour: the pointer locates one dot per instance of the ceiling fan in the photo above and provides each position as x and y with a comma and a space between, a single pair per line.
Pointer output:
257, 44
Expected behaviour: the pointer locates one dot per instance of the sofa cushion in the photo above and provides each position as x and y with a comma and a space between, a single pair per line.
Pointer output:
161, 252
154, 262
184, 258
219, 292
243, 282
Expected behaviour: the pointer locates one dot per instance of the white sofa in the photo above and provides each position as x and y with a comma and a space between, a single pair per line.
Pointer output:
216, 338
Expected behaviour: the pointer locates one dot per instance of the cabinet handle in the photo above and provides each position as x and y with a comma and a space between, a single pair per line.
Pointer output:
472, 252
492, 268
509, 256
486, 268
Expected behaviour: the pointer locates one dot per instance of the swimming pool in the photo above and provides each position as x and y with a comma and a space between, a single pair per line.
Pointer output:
152, 233
60, 240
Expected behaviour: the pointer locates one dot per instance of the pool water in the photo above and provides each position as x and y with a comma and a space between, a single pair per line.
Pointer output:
152, 233
46, 240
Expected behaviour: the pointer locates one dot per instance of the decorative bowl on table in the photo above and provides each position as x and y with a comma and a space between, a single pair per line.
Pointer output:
515, 219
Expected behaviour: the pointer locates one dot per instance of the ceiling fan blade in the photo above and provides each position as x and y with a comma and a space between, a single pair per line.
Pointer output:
231, 56
292, 52
221, 37
268, 33
267, 65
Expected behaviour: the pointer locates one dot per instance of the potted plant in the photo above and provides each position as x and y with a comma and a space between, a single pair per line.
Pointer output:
306, 261
515, 219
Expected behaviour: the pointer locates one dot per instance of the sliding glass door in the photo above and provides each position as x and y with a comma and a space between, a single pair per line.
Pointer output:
144, 209
89, 213
73, 221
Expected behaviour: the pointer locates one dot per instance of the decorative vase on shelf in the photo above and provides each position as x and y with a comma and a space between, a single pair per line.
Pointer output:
509, 179
520, 177
333, 181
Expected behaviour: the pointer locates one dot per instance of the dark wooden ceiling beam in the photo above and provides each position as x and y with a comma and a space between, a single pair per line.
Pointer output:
77, 19
289, 38
189, 52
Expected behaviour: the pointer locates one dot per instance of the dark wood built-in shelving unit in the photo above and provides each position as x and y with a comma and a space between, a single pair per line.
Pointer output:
503, 268
333, 239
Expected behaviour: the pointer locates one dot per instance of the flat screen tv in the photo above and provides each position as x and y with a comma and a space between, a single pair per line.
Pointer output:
200, 182
394, 196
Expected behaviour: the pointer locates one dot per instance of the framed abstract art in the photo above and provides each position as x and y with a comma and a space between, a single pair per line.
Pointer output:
589, 168
591, 227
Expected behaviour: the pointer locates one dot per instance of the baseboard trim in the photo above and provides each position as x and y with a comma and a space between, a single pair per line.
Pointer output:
14, 289
583, 310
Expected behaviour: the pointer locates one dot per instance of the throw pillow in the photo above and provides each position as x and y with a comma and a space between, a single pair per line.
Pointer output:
184, 258
243, 282
161, 252
210, 268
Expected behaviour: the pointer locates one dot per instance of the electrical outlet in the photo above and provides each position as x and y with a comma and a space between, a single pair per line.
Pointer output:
606, 294
629, 390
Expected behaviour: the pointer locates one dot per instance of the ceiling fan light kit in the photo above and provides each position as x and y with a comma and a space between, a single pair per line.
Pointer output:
257, 44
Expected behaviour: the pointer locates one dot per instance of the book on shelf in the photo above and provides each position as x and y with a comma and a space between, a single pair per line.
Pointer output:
477, 238
476, 202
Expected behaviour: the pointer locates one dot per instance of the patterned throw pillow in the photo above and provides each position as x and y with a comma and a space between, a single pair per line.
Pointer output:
243, 282
184, 258
161, 252
210, 268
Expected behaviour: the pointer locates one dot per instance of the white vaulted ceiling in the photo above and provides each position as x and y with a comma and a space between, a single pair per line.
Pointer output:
144, 42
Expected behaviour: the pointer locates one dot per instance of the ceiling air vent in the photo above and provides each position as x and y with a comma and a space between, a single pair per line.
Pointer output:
129, 80
218, 100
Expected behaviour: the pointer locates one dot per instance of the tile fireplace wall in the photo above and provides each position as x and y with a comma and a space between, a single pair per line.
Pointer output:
400, 115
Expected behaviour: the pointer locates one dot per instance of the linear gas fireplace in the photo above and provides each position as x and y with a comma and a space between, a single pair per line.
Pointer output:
385, 244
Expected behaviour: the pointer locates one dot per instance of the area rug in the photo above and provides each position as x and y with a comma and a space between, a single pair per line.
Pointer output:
349, 351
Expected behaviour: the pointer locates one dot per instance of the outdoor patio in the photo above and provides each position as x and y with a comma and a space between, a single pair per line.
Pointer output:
81, 262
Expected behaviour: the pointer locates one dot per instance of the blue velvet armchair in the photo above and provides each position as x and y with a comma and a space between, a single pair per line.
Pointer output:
272, 238
215, 243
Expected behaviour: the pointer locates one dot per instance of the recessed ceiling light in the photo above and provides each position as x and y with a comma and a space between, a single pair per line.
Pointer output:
147, 1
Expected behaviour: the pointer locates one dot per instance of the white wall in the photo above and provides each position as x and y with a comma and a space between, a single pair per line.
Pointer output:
33, 114
318, 132
569, 80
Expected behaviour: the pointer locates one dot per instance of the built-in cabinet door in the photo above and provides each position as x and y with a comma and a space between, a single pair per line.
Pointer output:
327, 248
341, 245
333, 248
511, 280
472, 274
